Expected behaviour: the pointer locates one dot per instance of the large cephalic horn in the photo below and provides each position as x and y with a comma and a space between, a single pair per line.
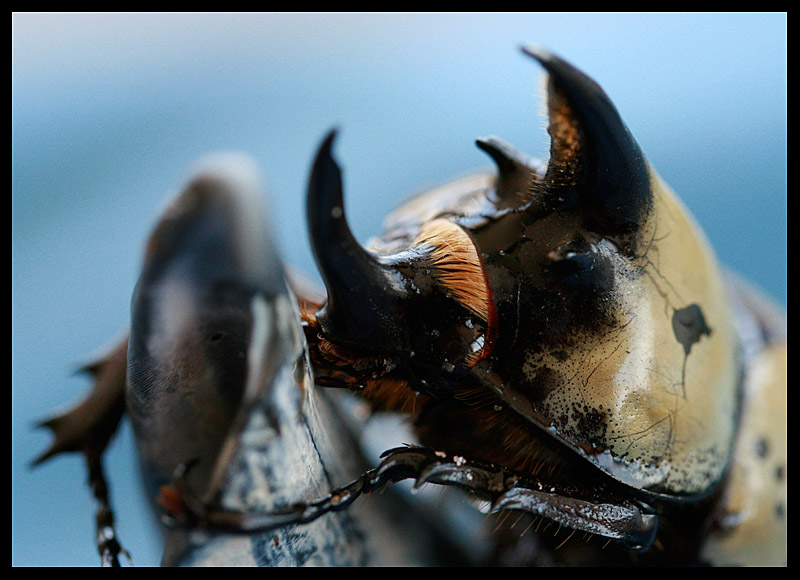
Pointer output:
592, 152
364, 295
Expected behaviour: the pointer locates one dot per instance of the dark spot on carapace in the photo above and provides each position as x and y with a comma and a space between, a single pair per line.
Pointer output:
780, 473
780, 512
762, 448
689, 325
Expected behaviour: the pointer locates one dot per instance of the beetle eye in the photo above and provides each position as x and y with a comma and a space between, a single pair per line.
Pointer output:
584, 267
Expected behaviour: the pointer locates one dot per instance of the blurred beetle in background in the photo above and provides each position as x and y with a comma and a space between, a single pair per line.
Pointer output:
556, 339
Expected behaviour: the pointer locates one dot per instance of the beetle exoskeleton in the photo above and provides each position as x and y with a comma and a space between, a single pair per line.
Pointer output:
560, 335
571, 324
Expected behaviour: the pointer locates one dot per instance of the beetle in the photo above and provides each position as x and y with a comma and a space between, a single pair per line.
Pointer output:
560, 336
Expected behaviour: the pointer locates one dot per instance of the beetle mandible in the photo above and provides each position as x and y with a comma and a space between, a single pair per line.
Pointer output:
560, 336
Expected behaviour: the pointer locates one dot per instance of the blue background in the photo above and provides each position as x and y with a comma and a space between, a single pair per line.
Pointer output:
109, 112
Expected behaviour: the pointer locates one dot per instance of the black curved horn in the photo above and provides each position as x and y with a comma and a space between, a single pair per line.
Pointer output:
592, 151
516, 171
364, 296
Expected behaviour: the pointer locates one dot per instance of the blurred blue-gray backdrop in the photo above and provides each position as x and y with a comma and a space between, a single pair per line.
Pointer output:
109, 111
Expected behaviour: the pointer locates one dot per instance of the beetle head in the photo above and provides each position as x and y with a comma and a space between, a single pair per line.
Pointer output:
582, 296
383, 304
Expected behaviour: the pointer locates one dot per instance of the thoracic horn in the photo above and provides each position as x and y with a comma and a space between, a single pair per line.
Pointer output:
364, 295
595, 163
516, 172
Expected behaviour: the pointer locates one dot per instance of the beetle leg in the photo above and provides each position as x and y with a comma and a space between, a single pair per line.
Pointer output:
301, 513
185, 509
188, 510
89, 425
625, 523
107, 544
87, 428
600, 513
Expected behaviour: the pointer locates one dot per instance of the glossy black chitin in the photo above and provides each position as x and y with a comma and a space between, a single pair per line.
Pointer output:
559, 336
